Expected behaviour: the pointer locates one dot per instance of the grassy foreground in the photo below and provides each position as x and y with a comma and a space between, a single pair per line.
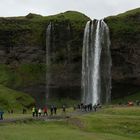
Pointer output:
117, 123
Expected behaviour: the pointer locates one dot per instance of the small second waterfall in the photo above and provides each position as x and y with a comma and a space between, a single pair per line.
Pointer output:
48, 60
96, 63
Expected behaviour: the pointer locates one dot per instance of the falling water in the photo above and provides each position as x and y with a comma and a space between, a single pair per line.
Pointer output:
96, 83
48, 62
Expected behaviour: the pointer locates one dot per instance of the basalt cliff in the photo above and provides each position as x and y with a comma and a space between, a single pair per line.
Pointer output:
23, 53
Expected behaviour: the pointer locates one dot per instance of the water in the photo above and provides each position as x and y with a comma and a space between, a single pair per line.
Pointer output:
48, 60
96, 63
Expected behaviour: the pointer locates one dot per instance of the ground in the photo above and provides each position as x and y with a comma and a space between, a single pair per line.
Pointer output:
109, 123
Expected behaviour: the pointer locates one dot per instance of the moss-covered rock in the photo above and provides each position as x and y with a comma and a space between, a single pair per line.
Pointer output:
125, 49
23, 52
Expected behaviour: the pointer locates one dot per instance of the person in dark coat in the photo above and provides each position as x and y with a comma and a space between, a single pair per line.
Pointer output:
64, 108
36, 112
55, 110
52, 109
1, 115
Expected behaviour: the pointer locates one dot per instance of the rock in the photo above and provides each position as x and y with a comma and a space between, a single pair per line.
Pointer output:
23, 41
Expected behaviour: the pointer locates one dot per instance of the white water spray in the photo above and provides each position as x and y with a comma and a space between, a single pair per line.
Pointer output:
96, 39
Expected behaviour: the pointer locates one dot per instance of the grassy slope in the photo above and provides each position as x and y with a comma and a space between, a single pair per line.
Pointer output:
11, 99
119, 28
123, 122
107, 124
36, 25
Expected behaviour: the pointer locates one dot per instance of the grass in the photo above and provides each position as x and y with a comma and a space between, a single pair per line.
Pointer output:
33, 27
11, 99
119, 29
117, 123
129, 13
43, 131
120, 121
50, 131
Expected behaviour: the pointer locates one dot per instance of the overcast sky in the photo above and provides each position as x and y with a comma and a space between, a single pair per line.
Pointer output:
92, 8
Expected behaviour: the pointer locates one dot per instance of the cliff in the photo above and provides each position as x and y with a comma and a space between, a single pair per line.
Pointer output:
23, 53
125, 49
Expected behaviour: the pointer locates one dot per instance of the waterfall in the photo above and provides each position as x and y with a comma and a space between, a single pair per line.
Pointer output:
96, 82
48, 61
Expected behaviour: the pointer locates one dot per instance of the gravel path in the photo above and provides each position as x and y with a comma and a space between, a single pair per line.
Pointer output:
48, 118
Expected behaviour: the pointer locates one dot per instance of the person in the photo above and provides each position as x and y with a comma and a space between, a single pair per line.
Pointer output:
45, 110
39, 112
74, 107
90, 107
36, 111
78, 106
64, 108
1, 115
33, 111
95, 107
81, 106
12, 111
55, 110
85, 107
99, 105
24, 111
52, 109
137, 102
130, 103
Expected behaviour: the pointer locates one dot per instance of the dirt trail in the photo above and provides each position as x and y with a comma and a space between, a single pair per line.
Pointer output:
46, 118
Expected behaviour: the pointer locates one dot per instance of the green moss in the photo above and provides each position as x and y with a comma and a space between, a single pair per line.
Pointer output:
129, 13
23, 75
125, 26
30, 30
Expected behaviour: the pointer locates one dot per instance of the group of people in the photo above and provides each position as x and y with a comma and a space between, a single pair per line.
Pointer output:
53, 109
88, 107
39, 112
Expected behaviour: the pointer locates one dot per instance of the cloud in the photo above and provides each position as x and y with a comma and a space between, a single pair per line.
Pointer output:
93, 8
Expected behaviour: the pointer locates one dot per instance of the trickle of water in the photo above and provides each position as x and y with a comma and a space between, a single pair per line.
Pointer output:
48, 62
96, 39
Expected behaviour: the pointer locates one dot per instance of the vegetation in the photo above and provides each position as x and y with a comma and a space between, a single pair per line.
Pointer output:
134, 97
107, 124
11, 99
119, 28
121, 121
22, 75
31, 31
33, 27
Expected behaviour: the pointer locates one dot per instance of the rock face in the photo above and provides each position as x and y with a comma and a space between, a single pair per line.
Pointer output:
125, 49
65, 53
23, 53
